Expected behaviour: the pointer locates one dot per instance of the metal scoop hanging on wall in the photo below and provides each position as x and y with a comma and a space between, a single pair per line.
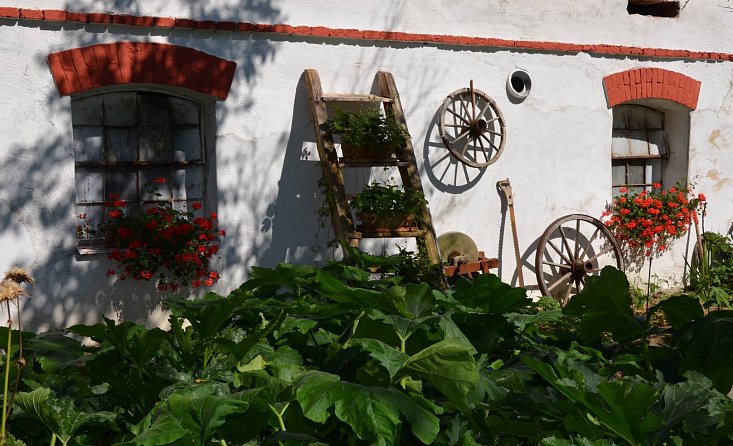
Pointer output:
472, 127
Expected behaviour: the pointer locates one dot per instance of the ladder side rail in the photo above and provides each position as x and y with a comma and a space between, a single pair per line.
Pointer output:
410, 175
341, 218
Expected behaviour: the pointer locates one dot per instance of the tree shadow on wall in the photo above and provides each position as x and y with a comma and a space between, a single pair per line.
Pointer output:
37, 204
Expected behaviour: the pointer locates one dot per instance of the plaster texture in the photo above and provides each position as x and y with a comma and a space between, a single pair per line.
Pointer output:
557, 154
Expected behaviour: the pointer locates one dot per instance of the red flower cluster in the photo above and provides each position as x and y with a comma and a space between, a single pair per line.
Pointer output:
651, 220
170, 245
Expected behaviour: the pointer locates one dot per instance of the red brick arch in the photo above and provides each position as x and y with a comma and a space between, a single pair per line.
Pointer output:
648, 83
81, 69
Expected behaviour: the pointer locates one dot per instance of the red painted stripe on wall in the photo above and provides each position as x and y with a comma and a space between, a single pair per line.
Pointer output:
342, 33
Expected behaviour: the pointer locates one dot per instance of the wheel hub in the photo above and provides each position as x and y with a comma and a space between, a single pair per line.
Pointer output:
478, 127
581, 268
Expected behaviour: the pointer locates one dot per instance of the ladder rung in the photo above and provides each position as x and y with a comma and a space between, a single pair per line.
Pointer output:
343, 162
348, 97
388, 233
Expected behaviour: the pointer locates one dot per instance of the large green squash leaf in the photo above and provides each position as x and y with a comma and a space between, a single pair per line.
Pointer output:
706, 345
679, 310
449, 366
192, 418
387, 356
373, 413
59, 416
488, 294
604, 305
623, 407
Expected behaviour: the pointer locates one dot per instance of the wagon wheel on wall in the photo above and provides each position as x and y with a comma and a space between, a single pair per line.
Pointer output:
571, 248
472, 127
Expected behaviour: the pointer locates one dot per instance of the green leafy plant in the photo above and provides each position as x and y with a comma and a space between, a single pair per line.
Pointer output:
368, 128
339, 355
711, 277
163, 243
388, 203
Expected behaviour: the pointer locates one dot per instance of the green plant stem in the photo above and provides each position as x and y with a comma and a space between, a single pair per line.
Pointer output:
7, 376
279, 415
354, 326
53, 440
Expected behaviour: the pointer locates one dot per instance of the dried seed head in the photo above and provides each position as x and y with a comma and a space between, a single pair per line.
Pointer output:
10, 290
18, 275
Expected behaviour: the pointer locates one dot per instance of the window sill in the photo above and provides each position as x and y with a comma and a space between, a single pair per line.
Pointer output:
96, 248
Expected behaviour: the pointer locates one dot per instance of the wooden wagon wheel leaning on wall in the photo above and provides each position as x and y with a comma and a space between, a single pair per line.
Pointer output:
472, 127
571, 248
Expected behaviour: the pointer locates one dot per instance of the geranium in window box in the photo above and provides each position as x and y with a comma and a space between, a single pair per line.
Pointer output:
161, 243
387, 207
649, 221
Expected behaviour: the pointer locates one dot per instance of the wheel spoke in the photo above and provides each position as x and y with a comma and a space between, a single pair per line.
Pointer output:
466, 112
454, 125
480, 143
461, 135
473, 104
566, 295
578, 287
559, 265
549, 242
464, 148
489, 141
483, 111
605, 250
558, 281
565, 243
577, 233
587, 245
494, 133
458, 116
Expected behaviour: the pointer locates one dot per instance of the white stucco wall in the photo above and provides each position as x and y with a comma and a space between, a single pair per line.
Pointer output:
557, 154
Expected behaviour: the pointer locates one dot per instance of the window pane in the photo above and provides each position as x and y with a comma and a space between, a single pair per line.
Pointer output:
637, 117
619, 143
121, 184
186, 145
87, 111
619, 117
89, 186
119, 109
88, 143
151, 188
155, 144
655, 165
184, 112
618, 172
638, 144
154, 109
121, 144
188, 183
636, 173
657, 143
85, 229
654, 119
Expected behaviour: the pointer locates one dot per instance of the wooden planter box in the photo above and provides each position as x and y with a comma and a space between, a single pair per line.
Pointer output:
385, 223
357, 153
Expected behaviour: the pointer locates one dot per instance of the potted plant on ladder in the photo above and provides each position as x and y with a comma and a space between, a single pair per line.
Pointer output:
387, 207
367, 134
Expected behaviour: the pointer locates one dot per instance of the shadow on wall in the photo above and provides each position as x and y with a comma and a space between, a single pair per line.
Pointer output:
37, 204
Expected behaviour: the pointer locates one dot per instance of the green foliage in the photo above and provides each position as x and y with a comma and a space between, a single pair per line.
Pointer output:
300, 355
711, 277
368, 128
387, 200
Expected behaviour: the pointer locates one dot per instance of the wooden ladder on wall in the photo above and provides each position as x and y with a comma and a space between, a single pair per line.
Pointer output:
331, 165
